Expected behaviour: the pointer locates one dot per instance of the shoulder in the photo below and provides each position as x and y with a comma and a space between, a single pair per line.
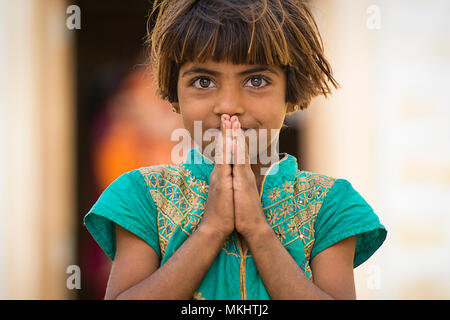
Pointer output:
319, 196
313, 185
320, 186
163, 170
128, 203
163, 175
338, 211
176, 184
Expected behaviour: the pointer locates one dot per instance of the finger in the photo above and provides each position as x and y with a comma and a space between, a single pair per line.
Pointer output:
240, 146
228, 142
238, 156
220, 149
225, 116
224, 144
235, 126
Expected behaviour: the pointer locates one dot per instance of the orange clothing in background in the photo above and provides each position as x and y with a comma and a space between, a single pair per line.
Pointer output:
138, 130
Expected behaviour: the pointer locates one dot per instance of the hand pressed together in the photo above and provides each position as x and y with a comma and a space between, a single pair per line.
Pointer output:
219, 210
233, 200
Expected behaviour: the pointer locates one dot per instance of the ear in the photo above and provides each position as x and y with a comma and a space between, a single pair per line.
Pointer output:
176, 107
291, 108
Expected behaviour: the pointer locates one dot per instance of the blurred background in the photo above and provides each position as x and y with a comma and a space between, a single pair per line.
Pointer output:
78, 108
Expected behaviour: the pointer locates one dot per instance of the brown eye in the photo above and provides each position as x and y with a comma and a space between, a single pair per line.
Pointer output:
202, 83
257, 82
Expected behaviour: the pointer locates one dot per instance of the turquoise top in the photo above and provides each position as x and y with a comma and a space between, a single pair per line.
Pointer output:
164, 204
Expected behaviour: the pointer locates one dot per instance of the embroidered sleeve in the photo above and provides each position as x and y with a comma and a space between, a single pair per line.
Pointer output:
344, 213
127, 203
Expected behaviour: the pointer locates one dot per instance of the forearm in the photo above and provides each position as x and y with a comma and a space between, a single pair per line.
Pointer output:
282, 277
183, 272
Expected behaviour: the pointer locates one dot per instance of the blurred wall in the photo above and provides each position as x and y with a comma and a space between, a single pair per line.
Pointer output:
386, 131
37, 150
3, 146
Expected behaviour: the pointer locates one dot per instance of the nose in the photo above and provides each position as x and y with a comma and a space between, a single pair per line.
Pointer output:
229, 101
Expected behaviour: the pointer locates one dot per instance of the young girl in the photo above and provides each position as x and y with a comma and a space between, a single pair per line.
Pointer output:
209, 229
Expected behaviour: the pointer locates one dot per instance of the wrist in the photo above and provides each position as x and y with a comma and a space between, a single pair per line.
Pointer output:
212, 233
258, 234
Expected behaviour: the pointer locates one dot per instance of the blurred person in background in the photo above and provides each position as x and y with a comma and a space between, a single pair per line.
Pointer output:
131, 130
138, 131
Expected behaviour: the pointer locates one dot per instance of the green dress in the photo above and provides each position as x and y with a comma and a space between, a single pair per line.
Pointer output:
163, 205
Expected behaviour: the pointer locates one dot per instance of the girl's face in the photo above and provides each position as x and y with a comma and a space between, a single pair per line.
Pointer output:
254, 93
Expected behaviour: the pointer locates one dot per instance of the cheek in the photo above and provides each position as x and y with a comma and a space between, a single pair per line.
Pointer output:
193, 116
270, 109
192, 111
272, 118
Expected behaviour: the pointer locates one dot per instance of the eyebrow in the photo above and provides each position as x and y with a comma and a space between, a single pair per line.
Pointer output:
216, 73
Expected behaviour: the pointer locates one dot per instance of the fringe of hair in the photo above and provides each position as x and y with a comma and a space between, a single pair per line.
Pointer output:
265, 32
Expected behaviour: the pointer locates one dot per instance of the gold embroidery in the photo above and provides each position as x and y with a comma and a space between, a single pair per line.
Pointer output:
285, 209
293, 216
243, 280
180, 199
272, 216
203, 188
292, 227
288, 187
274, 194
286, 156
176, 199
242, 277
280, 233
198, 296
